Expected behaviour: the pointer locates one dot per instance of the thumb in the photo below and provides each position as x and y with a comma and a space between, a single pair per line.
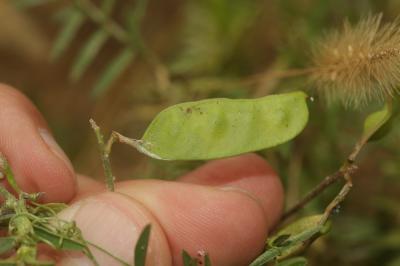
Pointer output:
114, 222
38, 162
228, 220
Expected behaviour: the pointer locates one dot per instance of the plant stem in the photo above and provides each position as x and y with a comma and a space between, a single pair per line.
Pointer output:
346, 170
5, 193
269, 74
338, 199
105, 156
325, 183
6, 170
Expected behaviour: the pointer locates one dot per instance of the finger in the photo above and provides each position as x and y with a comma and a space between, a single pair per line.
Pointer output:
114, 222
38, 162
88, 186
249, 173
230, 224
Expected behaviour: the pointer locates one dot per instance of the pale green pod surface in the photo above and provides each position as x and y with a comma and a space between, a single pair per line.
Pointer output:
216, 128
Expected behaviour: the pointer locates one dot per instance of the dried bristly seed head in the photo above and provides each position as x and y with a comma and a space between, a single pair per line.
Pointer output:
360, 63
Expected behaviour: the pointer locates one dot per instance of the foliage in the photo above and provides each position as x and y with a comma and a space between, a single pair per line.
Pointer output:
215, 54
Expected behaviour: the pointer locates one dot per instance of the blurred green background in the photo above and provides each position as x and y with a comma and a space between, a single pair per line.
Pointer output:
211, 48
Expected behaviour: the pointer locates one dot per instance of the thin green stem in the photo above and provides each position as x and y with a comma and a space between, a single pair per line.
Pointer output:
108, 253
6, 170
105, 156
5, 194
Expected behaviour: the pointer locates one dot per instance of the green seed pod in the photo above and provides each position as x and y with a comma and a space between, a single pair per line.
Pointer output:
21, 225
27, 253
216, 128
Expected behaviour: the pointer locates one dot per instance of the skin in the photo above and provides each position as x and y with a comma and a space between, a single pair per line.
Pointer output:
225, 207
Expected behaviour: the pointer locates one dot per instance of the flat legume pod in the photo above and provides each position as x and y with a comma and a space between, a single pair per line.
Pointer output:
216, 128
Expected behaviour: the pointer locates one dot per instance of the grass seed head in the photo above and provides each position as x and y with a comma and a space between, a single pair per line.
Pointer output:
360, 63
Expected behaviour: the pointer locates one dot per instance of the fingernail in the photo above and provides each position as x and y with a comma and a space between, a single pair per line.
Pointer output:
54, 147
105, 225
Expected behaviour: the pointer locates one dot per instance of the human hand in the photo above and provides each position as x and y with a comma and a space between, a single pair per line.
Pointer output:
224, 207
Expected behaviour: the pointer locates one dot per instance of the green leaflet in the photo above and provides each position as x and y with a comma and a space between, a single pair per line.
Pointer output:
292, 239
216, 128
8, 263
207, 260
55, 240
377, 124
187, 259
141, 247
297, 261
6, 244
307, 228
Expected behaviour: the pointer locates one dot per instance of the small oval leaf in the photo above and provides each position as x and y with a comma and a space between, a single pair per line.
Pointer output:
207, 260
58, 241
6, 244
377, 124
217, 128
296, 236
141, 247
297, 261
8, 263
187, 259
292, 239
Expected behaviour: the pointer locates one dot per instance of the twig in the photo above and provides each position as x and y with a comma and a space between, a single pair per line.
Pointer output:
325, 183
278, 74
338, 199
5, 170
348, 168
5, 194
105, 155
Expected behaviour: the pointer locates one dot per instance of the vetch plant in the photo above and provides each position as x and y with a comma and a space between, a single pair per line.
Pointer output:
29, 224
357, 65
216, 128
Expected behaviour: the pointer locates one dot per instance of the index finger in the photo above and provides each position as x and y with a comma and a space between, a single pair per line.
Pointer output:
38, 162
